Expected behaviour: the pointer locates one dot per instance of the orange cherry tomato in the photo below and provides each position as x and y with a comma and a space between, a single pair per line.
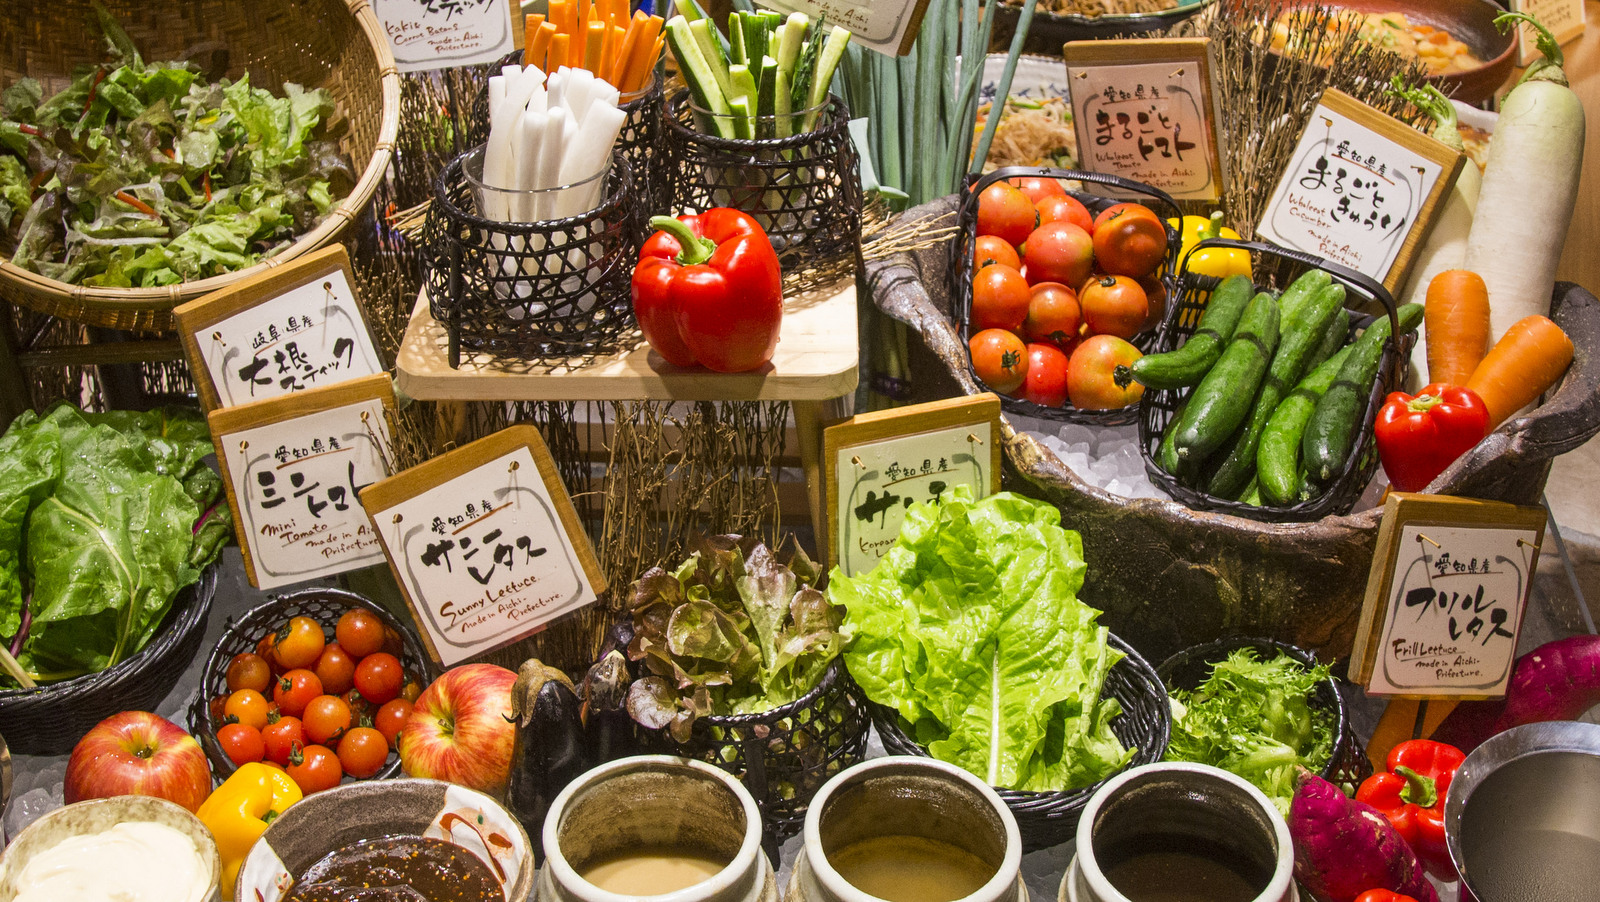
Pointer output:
1114, 305
299, 643
315, 768
359, 633
362, 752
248, 671
326, 719
987, 249
999, 298
1005, 212
294, 690
336, 669
247, 706
1000, 359
242, 744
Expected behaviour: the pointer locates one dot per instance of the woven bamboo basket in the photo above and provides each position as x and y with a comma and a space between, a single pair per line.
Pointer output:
332, 44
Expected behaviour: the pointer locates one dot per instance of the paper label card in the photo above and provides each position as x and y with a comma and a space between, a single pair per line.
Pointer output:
1445, 602
1145, 110
1565, 19
887, 26
881, 463
442, 34
296, 328
485, 544
1361, 190
294, 469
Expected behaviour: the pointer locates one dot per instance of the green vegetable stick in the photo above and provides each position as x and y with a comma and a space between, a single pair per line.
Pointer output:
705, 38
832, 51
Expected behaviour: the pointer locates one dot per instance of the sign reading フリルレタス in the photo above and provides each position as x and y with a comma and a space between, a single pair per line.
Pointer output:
440, 34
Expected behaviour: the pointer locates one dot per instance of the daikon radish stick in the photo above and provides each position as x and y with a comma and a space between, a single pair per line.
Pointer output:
579, 93
551, 150
530, 139
603, 93
497, 92
589, 153
556, 87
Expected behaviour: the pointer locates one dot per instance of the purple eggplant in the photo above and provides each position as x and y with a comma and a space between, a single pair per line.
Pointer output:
609, 733
548, 752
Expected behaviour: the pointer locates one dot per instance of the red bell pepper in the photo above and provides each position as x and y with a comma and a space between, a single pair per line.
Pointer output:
1420, 435
1411, 795
708, 291
1383, 895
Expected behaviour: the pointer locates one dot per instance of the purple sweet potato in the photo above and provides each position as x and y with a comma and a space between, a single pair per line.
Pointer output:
1559, 680
1342, 847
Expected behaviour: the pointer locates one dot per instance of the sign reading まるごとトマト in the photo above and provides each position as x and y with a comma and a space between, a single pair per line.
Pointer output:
485, 544
440, 34
1450, 580
1362, 189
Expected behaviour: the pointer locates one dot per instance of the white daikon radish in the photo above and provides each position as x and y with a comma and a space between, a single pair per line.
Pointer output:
1530, 185
497, 92
551, 151
530, 139
603, 93
556, 86
591, 153
580, 83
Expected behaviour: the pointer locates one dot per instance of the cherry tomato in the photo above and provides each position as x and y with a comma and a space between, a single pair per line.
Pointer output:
363, 751
218, 707
299, 643
1053, 315
359, 633
391, 717
295, 690
1046, 383
1007, 213
987, 249
378, 677
999, 298
248, 707
249, 671
412, 689
392, 643
264, 652
1000, 359
1061, 208
314, 769
281, 737
1114, 305
360, 708
242, 744
1059, 252
326, 718
1090, 382
1127, 243
336, 669
1037, 188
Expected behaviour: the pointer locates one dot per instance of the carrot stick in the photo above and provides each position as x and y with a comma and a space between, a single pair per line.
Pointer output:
581, 20
619, 65
593, 45
1526, 360
530, 31
653, 57
558, 15
614, 43
558, 52
538, 55
1456, 318
633, 66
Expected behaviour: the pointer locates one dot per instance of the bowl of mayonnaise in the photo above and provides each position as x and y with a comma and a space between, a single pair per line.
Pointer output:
133, 848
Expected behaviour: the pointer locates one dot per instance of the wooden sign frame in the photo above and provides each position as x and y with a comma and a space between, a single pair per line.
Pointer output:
904, 422
202, 313
1403, 509
1391, 129
1145, 51
906, 28
380, 497
229, 420
1527, 49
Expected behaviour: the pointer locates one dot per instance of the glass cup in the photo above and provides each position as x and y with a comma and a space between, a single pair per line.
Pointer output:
500, 204
758, 128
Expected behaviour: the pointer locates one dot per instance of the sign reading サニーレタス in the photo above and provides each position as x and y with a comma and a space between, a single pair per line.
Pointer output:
440, 34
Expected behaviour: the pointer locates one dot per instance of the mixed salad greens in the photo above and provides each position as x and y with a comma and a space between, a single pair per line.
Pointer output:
144, 174
103, 518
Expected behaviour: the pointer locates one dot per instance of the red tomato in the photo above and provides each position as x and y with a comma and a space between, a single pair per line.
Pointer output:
1000, 359
1130, 244
1037, 188
248, 707
378, 677
241, 744
1046, 383
987, 249
281, 737
1114, 305
336, 669
299, 643
359, 633
1053, 314
295, 690
249, 671
999, 298
1058, 252
326, 718
362, 752
264, 652
1005, 212
1121, 210
1155, 294
391, 718
314, 769
1063, 208
1090, 383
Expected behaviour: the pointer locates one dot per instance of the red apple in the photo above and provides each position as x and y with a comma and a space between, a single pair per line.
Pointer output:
136, 753
459, 729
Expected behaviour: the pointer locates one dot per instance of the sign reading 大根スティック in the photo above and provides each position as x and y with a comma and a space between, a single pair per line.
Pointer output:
441, 34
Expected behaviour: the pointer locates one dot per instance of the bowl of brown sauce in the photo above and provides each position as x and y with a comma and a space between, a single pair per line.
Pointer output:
404, 840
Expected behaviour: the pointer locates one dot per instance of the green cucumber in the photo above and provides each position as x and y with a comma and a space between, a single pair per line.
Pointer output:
1278, 471
698, 75
1222, 399
1338, 336
1251, 494
705, 37
1188, 364
1302, 290
767, 89
1167, 451
1333, 427
737, 51
822, 76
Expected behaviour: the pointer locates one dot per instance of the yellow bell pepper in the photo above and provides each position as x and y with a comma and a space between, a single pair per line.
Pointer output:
1220, 262
238, 812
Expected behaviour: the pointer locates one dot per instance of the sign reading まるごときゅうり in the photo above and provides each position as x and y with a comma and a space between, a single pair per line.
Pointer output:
440, 34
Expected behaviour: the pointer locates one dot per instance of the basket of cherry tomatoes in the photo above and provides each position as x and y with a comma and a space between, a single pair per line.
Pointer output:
318, 681
1056, 288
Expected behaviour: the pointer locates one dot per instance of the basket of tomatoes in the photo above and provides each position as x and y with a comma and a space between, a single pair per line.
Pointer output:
1055, 289
318, 681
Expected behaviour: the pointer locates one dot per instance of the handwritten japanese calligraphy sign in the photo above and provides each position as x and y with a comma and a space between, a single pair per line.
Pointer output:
297, 327
1362, 189
878, 464
294, 468
1449, 583
1564, 18
485, 544
887, 26
440, 34
1147, 110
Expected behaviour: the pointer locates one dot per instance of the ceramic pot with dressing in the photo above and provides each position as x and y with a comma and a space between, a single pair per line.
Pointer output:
908, 829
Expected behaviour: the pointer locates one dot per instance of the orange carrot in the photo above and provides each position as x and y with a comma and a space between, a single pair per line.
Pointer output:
1456, 318
635, 65
558, 52
619, 65
538, 51
594, 42
614, 44
530, 31
1526, 360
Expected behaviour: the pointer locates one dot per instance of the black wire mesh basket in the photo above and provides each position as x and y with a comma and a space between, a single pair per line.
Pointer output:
323, 604
1158, 407
804, 190
1048, 819
543, 290
1347, 765
961, 272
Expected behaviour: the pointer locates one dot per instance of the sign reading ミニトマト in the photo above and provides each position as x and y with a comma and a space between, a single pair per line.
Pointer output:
441, 34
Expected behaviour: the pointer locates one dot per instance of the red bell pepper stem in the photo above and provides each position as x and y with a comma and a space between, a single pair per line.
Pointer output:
694, 248
1420, 791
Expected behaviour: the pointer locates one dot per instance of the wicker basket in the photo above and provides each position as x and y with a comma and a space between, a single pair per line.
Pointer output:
1347, 766
50, 720
1157, 408
961, 274
1048, 819
324, 605
331, 44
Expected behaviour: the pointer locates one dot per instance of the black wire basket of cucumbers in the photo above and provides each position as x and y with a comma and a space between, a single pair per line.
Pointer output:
1261, 404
